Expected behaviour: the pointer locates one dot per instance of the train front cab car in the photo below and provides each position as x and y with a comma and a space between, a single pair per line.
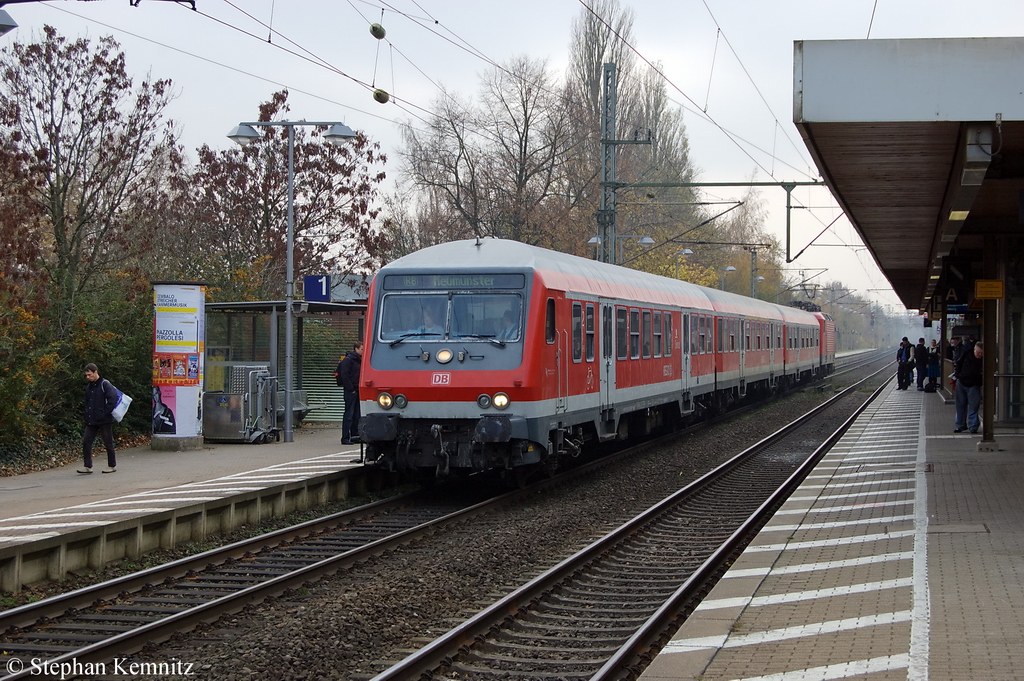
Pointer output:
494, 354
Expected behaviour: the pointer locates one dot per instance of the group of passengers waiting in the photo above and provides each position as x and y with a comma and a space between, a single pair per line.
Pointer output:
966, 377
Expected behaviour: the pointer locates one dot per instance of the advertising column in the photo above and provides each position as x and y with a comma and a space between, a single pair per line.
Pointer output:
179, 339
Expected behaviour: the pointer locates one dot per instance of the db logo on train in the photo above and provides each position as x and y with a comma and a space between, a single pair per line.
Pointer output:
441, 379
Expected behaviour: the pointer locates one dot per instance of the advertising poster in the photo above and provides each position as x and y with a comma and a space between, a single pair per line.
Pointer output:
178, 345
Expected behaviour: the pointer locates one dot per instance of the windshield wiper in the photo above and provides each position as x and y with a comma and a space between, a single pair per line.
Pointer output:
411, 335
487, 337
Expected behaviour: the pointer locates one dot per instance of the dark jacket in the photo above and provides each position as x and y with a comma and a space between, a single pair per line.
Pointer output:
348, 371
958, 351
921, 355
905, 353
969, 369
100, 400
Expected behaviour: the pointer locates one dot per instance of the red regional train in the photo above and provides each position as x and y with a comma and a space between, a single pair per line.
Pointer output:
493, 354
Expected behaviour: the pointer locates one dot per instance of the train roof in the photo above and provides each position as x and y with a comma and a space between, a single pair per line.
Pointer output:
569, 272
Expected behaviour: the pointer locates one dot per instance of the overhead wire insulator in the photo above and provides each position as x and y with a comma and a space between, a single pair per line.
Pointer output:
381, 96
377, 31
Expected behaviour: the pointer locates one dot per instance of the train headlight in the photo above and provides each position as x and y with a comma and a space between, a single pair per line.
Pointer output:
501, 401
385, 401
483, 401
444, 356
401, 401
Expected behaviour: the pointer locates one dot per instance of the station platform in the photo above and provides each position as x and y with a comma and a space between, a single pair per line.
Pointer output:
56, 521
901, 556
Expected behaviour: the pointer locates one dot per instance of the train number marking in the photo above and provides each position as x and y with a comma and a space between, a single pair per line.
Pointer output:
441, 379
666, 370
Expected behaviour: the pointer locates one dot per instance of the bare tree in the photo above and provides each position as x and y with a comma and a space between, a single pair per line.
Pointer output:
523, 116
496, 166
445, 162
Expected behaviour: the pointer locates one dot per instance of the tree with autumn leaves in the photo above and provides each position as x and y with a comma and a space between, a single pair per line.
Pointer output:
99, 199
234, 203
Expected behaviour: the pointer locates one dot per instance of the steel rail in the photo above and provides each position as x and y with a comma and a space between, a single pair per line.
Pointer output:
650, 637
163, 629
439, 652
86, 597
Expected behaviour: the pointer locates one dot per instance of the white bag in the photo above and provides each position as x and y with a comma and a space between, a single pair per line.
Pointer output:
123, 402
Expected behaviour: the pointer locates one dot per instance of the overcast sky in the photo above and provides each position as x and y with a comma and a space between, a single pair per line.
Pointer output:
729, 65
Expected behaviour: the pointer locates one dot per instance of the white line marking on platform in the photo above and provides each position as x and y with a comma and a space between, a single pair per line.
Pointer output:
28, 537
838, 523
920, 631
848, 495
788, 633
836, 541
824, 565
86, 514
838, 671
797, 596
848, 507
85, 523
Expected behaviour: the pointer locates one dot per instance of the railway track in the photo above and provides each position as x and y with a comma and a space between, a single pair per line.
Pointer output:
123, 616
603, 612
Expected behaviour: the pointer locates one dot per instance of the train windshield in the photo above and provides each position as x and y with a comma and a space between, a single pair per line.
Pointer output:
486, 315
467, 316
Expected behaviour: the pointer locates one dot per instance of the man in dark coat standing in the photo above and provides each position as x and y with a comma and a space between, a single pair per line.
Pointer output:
921, 361
969, 376
100, 400
904, 368
348, 378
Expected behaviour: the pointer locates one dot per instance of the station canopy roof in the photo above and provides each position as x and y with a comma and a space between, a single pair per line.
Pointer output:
921, 142
267, 306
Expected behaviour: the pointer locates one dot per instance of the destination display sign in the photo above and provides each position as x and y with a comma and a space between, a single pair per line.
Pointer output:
419, 282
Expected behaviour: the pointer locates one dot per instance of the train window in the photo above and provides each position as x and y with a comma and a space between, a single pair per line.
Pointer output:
647, 333
732, 335
621, 333
577, 332
549, 322
721, 335
634, 334
703, 335
590, 332
695, 327
657, 334
477, 315
406, 316
606, 331
668, 335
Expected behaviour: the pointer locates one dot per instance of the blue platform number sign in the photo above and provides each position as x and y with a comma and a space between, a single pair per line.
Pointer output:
317, 287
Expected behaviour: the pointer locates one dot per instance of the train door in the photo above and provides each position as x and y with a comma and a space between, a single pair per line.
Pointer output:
744, 343
684, 354
558, 374
607, 362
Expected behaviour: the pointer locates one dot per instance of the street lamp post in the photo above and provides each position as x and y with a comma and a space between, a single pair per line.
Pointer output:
337, 134
729, 268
